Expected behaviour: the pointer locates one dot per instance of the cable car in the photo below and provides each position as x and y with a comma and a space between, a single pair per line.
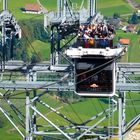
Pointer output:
94, 55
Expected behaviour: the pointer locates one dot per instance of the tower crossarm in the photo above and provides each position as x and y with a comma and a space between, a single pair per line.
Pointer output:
22, 85
7, 18
129, 71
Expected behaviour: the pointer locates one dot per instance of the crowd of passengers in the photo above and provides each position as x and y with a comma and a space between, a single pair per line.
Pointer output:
98, 36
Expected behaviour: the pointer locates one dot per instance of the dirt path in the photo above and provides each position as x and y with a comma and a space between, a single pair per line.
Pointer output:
133, 4
135, 134
44, 10
57, 109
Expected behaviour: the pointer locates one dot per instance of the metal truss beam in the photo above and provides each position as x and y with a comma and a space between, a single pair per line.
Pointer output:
15, 126
125, 70
129, 87
51, 86
65, 83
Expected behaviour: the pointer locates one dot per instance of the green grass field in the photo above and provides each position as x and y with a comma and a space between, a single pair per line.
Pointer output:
78, 112
137, 1
120, 9
85, 109
82, 111
8, 133
133, 51
15, 7
108, 8
42, 49
50, 5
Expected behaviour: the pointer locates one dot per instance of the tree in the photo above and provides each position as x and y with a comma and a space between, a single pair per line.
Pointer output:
24, 56
34, 58
138, 32
116, 15
133, 19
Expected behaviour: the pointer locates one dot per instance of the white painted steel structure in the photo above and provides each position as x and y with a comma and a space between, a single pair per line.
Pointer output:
28, 79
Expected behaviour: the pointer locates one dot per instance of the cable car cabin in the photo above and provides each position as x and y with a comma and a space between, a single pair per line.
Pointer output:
94, 53
95, 77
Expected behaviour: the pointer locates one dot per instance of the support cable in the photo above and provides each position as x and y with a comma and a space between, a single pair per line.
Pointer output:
57, 112
30, 44
102, 109
7, 116
15, 110
46, 119
37, 99
95, 117
34, 100
45, 85
70, 9
97, 123
129, 93
68, 42
133, 103
20, 119
102, 65
66, 58
93, 104
15, 119
68, 114
75, 112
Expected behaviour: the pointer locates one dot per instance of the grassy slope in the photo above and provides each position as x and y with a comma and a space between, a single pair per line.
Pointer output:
121, 9
80, 108
85, 110
90, 107
134, 48
110, 7
8, 133
138, 1
52, 4
106, 8
42, 49
16, 5
0, 4
49, 4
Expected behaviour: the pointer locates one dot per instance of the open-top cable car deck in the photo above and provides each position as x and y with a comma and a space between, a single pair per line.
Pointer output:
96, 40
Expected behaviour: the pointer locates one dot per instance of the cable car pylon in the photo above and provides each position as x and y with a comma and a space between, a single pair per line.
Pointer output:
65, 78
